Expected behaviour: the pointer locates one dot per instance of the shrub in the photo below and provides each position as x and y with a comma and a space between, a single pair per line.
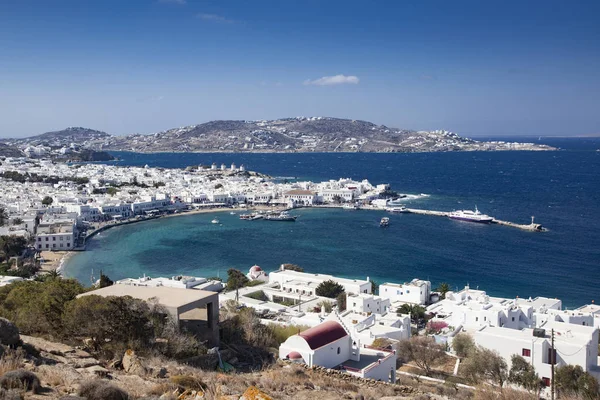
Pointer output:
188, 382
10, 361
236, 279
101, 390
258, 295
436, 326
329, 289
10, 395
463, 345
20, 379
423, 351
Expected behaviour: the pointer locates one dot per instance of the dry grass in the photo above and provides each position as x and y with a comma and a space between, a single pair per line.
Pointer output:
11, 360
491, 393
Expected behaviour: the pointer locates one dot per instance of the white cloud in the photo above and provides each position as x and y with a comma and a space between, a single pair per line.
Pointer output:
173, 1
333, 80
214, 18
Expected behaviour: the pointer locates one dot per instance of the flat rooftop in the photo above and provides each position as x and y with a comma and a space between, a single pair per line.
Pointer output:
167, 296
317, 277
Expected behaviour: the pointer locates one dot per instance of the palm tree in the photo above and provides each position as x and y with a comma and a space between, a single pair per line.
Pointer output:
443, 288
52, 274
415, 311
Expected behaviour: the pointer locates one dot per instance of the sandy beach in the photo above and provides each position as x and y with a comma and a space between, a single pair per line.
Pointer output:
53, 259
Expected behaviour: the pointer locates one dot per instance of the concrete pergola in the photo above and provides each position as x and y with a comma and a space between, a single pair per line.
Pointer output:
196, 311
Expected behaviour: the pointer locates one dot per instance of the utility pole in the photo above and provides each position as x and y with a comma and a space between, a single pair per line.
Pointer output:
299, 302
553, 361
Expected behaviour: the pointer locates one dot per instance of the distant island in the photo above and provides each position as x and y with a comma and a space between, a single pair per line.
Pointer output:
300, 134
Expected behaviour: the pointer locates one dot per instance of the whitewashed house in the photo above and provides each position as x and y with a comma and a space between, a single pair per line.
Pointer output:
416, 291
574, 345
367, 303
306, 283
300, 197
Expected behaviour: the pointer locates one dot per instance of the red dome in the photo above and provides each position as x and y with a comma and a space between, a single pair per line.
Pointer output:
294, 355
255, 268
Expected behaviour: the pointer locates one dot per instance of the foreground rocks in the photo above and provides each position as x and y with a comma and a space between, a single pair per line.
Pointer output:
9, 333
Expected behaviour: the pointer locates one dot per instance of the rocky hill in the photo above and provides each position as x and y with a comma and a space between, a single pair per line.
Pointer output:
301, 134
77, 135
9, 151
314, 134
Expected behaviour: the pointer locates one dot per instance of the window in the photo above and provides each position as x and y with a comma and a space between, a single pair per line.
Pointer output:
546, 381
513, 319
476, 319
485, 318
54, 238
339, 350
526, 353
39, 239
46, 238
68, 244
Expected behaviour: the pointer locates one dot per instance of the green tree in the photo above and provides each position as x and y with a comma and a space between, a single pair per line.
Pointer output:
485, 365
11, 246
3, 216
236, 279
47, 200
111, 191
292, 267
374, 287
423, 351
523, 374
17, 221
463, 345
329, 289
104, 280
573, 380
37, 307
341, 301
443, 288
417, 312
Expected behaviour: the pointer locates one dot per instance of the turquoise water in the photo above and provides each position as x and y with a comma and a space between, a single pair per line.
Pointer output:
562, 189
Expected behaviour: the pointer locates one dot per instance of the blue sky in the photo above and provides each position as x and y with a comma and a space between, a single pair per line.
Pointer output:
473, 67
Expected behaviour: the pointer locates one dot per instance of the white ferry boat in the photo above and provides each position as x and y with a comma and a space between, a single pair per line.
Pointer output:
471, 216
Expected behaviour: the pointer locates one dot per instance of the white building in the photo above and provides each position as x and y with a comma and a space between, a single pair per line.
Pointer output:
306, 283
329, 345
181, 282
574, 345
56, 235
7, 280
301, 197
367, 303
415, 292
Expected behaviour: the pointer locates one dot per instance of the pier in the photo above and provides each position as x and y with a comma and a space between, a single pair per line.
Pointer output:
532, 227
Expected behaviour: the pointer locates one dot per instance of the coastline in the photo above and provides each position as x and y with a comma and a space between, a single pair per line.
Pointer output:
54, 260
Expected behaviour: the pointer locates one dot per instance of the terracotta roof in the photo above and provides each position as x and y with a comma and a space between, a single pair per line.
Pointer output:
294, 355
322, 334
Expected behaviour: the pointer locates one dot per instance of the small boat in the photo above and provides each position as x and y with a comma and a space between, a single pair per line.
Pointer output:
215, 221
471, 216
232, 213
283, 216
385, 222
401, 209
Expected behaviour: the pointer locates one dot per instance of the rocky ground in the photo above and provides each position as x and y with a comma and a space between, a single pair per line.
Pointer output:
68, 372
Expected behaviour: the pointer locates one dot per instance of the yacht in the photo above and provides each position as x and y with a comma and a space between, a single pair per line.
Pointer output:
471, 216
282, 216
385, 221
400, 209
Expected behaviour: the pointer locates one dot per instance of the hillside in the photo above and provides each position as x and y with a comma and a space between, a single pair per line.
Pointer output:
301, 134
314, 134
9, 151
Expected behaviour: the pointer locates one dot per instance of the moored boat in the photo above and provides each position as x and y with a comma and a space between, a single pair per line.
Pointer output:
401, 209
215, 221
283, 216
385, 221
471, 216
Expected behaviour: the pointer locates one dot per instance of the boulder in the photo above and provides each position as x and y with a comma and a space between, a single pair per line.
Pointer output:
9, 333
254, 393
132, 364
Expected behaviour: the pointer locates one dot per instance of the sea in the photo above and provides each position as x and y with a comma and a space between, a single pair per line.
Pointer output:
561, 189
